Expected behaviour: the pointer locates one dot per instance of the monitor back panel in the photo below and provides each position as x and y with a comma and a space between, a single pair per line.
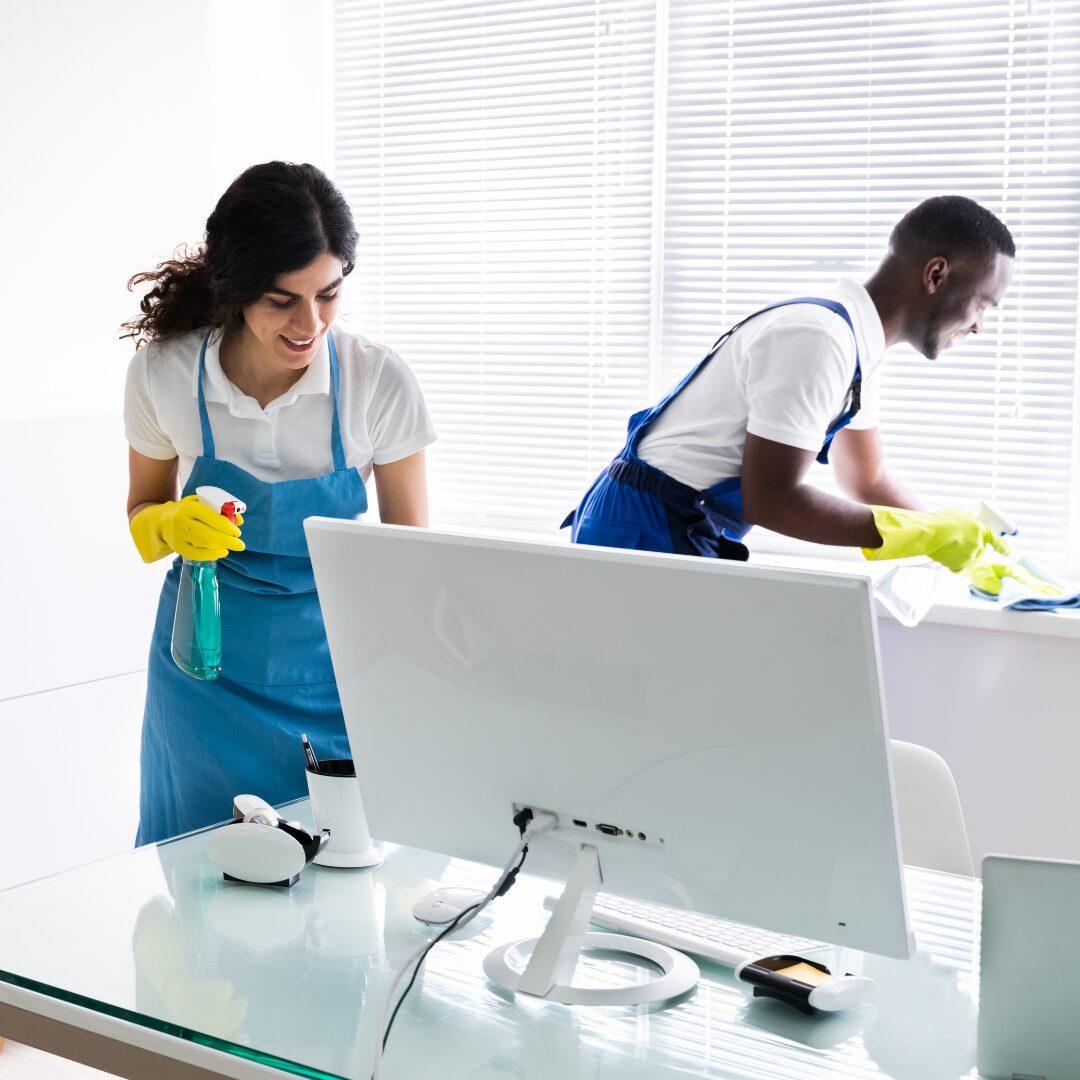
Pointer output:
727, 720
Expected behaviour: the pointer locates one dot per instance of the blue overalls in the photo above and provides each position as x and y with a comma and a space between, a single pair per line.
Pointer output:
631, 504
204, 742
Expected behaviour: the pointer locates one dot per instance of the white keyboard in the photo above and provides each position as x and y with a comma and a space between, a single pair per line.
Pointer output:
726, 943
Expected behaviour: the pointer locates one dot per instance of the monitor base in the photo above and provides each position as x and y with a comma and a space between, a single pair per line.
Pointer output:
544, 967
506, 965
351, 859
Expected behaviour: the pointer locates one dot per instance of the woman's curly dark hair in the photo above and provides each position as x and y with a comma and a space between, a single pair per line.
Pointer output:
274, 218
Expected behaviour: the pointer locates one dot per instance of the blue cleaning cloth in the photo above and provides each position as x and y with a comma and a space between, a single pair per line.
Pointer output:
1017, 596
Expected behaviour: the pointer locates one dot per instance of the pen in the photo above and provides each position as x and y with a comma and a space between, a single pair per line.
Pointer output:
312, 760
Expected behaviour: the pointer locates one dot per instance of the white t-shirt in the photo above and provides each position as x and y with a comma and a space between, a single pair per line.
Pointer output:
382, 412
784, 376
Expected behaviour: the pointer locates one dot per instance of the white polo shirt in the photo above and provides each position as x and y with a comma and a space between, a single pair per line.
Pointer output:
784, 376
382, 412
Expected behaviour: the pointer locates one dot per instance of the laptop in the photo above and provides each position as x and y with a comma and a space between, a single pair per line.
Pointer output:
1029, 988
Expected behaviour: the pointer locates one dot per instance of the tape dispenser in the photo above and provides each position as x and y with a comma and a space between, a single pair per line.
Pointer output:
259, 847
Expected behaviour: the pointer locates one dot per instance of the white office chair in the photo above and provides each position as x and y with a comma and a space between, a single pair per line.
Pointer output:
932, 830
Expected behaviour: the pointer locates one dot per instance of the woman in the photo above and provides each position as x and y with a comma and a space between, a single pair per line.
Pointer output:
246, 387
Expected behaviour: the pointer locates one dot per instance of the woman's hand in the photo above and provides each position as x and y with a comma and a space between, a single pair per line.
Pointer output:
161, 525
187, 527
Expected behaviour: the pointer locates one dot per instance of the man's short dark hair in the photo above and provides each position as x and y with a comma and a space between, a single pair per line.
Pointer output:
953, 226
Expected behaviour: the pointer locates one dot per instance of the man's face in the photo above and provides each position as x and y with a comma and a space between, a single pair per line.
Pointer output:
958, 305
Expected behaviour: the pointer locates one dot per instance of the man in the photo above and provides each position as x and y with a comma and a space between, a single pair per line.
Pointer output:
730, 446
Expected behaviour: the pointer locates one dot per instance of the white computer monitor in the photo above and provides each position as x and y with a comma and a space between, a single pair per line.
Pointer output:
727, 719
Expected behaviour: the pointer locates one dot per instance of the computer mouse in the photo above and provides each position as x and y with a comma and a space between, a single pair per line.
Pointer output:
444, 905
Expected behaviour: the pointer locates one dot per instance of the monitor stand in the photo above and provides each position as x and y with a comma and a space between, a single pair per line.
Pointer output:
544, 967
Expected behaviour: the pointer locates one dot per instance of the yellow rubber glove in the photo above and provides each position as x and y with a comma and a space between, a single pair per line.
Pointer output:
987, 573
186, 527
953, 538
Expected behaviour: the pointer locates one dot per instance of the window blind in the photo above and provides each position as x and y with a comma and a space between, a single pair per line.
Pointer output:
561, 205
498, 159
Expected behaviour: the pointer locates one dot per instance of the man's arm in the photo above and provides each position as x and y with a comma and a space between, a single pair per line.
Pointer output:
775, 497
859, 463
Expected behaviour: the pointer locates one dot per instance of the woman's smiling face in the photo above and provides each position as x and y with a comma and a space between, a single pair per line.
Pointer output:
289, 320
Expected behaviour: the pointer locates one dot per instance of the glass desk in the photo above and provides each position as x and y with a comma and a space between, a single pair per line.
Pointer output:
149, 964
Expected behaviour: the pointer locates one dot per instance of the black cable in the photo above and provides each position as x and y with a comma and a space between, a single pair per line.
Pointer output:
503, 889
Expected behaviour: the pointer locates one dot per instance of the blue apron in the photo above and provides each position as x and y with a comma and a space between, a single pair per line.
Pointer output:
204, 742
631, 504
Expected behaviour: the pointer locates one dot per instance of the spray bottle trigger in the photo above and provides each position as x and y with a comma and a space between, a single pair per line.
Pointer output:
990, 515
220, 501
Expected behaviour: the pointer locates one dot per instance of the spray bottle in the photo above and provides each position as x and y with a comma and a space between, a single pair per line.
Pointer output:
196, 637
907, 590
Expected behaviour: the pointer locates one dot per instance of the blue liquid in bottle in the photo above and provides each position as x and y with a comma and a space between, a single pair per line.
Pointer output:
196, 637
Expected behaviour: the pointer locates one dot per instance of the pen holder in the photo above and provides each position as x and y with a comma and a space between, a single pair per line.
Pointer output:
336, 805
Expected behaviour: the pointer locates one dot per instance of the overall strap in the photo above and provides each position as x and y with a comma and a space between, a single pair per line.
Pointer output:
336, 445
204, 419
650, 416
833, 305
854, 388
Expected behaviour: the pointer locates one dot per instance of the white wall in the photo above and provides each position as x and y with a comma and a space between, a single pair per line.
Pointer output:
69, 776
1000, 708
122, 124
